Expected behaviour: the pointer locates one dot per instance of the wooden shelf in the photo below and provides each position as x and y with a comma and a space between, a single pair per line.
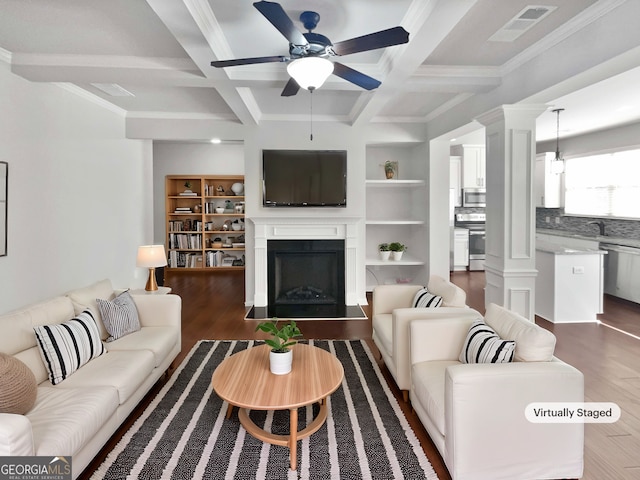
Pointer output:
203, 257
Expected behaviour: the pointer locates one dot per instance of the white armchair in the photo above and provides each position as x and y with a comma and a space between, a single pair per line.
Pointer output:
392, 311
475, 413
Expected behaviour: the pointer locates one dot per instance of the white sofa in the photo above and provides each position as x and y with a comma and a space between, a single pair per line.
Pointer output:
475, 413
78, 416
391, 313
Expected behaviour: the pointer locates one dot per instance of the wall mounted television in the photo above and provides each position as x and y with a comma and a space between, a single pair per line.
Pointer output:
304, 178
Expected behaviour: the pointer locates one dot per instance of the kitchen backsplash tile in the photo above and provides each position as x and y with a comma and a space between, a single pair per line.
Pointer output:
613, 227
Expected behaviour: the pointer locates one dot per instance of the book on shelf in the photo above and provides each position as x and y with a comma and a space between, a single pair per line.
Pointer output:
188, 194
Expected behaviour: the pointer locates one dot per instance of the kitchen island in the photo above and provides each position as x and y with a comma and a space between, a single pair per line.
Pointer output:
569, 285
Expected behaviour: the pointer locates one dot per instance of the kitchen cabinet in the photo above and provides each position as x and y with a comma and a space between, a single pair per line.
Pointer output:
548, 184
474, 170
460, 249
622, 272
569, 283
455, 179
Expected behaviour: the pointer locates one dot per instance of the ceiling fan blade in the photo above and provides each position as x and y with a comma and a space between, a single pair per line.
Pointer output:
273, 12
248, 61
290, 89
383, 38
355, 77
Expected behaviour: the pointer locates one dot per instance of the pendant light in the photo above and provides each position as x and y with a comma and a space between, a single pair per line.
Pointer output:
557, 166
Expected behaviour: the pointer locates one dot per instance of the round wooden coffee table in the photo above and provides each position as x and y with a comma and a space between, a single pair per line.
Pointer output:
244, 380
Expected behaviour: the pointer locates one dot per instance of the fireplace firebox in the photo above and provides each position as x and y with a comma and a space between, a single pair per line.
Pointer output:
305, 278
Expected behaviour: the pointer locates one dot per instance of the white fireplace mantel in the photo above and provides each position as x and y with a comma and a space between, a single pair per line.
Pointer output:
305, 228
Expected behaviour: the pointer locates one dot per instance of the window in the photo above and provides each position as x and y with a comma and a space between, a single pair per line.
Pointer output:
604, 185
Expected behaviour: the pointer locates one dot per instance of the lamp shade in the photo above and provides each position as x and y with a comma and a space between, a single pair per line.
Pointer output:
310, 72
151, 256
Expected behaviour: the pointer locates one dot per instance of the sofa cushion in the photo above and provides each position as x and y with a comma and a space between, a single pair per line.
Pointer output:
68, 346
424, 299
18, 387
383, 327
483, 345
427, 379
120, 316
125, 370
533, 343
86, 297
452, 295
64, 420
17, 326
158, 340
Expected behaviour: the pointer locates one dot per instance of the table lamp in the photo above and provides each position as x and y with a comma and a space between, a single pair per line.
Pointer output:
151, 256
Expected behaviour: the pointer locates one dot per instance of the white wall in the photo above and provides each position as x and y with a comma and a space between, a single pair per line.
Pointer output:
186, 158
79, 193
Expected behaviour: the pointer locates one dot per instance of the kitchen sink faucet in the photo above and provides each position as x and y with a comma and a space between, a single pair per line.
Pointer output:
600, 224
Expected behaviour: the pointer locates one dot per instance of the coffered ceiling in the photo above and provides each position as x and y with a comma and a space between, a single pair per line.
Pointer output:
160, 51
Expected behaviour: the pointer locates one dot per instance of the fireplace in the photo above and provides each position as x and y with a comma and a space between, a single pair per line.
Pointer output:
306, 278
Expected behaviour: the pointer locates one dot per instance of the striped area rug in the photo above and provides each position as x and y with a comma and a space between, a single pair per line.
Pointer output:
184, 434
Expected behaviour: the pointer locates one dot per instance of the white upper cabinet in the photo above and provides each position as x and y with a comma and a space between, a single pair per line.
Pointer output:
455, 179
474, 170
548, 184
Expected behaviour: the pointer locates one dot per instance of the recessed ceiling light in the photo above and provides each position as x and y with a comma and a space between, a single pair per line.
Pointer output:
453, 140
216, 140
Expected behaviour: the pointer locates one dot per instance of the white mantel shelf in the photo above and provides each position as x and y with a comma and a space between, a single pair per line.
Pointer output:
306, 228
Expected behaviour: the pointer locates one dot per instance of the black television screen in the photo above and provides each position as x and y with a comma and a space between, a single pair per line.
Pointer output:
304, 178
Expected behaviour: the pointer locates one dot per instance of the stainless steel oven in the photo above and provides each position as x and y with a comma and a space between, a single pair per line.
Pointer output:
475, 223
474, 197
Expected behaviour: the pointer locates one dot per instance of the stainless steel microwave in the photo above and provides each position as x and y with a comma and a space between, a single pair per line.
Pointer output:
474, 197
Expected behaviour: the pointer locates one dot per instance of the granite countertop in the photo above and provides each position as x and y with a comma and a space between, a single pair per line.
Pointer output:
626, 242
560, 250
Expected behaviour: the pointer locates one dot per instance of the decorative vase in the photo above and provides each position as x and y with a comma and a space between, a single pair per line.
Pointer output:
397, 255
384, 255
238, 188
280, 362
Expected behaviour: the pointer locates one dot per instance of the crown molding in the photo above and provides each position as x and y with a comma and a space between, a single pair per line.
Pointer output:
96, 100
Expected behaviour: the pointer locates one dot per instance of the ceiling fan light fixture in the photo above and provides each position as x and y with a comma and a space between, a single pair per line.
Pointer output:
310, 72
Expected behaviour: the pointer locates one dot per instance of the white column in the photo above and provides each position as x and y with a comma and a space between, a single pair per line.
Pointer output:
510, 265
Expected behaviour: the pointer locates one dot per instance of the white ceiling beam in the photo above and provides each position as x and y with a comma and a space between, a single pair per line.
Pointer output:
428, 23
195, 27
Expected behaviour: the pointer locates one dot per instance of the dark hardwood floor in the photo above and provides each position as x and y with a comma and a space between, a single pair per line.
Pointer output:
213, 308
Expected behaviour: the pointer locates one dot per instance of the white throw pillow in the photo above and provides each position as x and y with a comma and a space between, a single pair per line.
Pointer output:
65, 347
424, 299
120, 316
483, 345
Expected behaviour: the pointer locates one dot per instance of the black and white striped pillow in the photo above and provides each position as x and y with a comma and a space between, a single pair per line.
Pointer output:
120, 316
65, 347
424, 299
483, 345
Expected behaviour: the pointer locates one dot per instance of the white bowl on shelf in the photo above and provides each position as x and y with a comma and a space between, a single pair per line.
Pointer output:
219, 209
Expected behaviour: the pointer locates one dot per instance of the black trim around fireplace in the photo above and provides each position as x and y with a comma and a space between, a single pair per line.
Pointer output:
305, 278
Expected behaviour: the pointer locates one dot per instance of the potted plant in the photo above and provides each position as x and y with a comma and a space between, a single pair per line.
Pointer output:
280, 356
396, 250
389, 169
383, 250
187, 185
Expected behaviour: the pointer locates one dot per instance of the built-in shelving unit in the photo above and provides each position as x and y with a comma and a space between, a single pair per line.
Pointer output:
205, 222
395, 212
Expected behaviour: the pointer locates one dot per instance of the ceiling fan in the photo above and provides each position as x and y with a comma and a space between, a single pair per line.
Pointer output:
313, 45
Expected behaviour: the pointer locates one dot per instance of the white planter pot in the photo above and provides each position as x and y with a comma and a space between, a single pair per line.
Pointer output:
384, 255
396, 255
280, 363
